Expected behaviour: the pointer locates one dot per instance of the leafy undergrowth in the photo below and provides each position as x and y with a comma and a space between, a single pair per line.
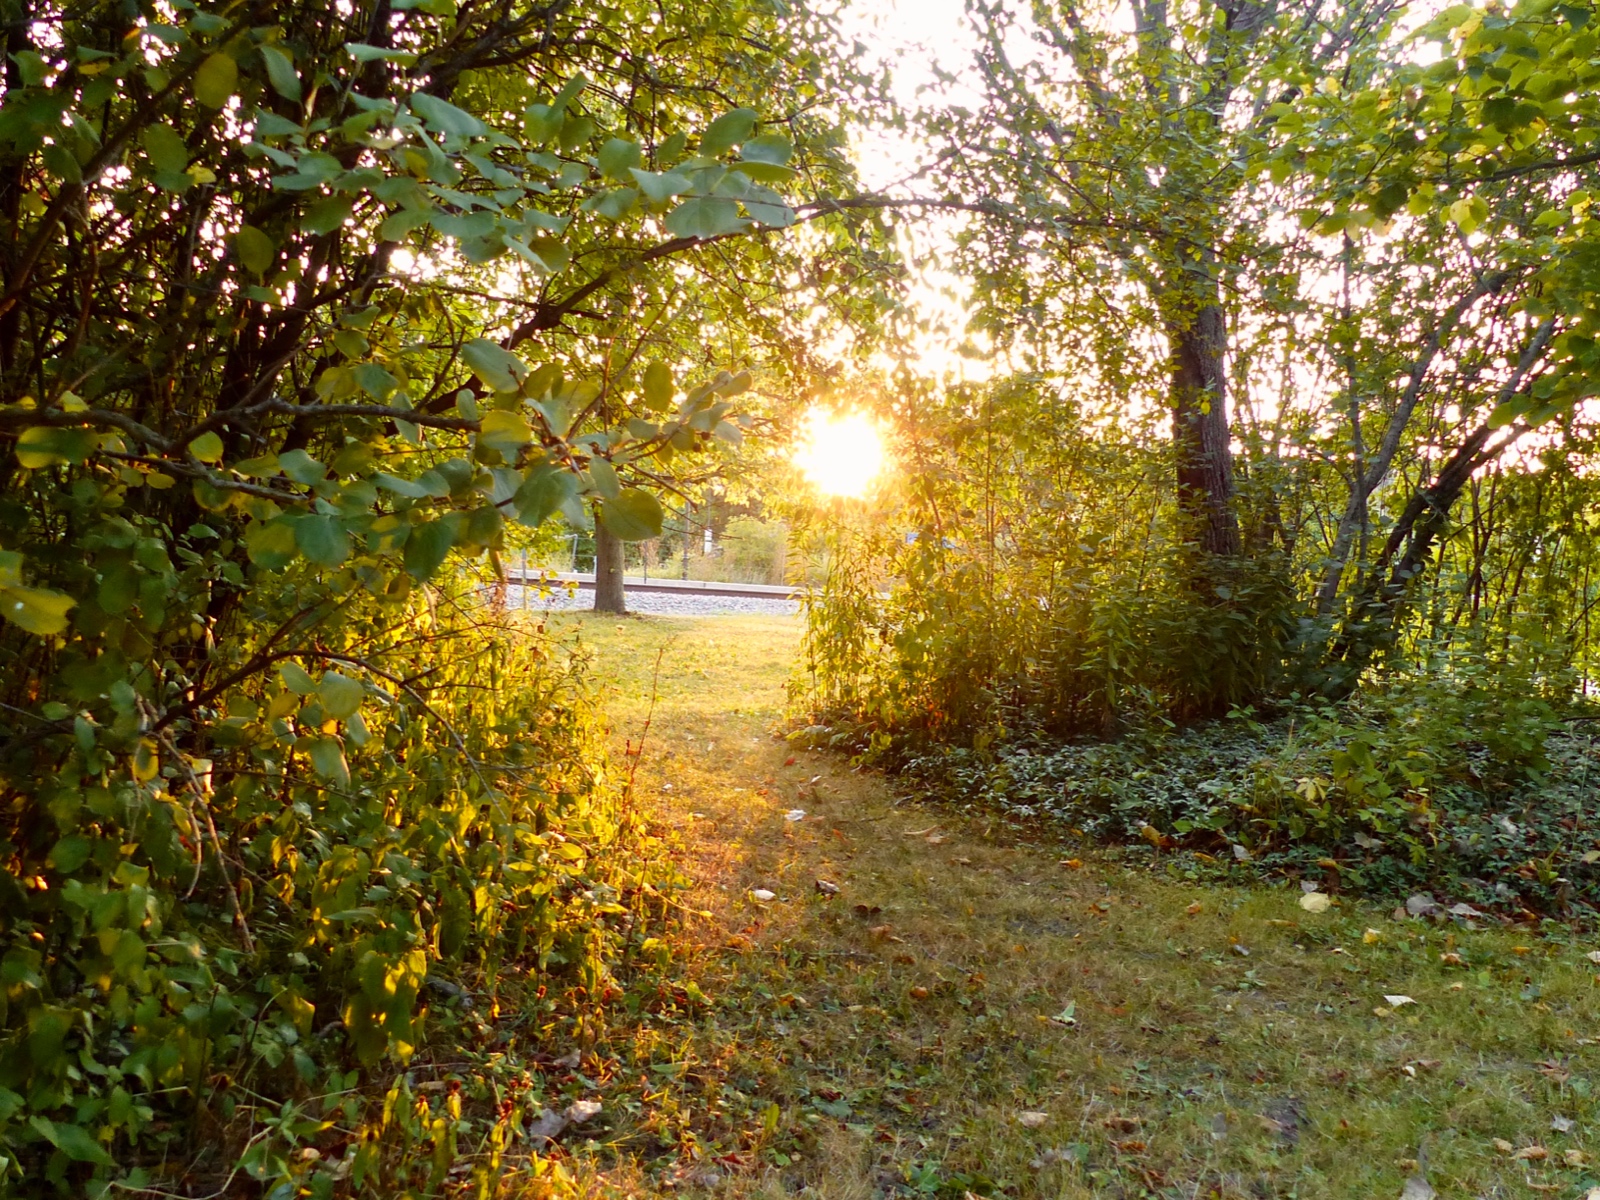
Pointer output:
973, 1012
1242, 800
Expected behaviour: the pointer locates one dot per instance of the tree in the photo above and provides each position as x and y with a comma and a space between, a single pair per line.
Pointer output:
300, 307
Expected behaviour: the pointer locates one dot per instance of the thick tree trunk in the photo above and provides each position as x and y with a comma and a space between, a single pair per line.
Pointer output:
1200, 431
609, 595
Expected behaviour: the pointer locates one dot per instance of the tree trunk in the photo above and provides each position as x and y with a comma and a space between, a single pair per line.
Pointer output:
1200, 431
609, 595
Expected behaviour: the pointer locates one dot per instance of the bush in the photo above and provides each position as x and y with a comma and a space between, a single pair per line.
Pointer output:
1459, 776
195, 946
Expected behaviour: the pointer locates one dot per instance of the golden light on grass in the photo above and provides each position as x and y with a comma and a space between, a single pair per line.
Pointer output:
841, 454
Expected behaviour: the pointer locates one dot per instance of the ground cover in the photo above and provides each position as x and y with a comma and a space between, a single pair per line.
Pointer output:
977, 1009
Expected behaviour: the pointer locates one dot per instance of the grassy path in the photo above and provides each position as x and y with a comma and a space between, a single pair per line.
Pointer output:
973, 1014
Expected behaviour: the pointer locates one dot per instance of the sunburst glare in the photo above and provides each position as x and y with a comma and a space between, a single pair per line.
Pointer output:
840, 454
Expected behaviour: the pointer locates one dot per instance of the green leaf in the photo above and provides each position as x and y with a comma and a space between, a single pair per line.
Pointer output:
70, 853
659, 187
544, 490
281, 73
164, 148
496, 366
216, 80
374, 380
446, 117
327, 756
43, 446
727, 131
705, 217
327, 215
257, 252
341, 696
428, 545
505, 432
634, 516
74, 1141
658, 390
38, 610
207, 447
295, 679
605, 478
364, 53
270, 545
301, 467
773, 148
617, 157
322, 539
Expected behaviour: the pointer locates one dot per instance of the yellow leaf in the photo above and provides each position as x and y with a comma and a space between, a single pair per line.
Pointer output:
38, 610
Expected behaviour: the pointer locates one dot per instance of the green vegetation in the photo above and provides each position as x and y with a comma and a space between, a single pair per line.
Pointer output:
1175, 1039
1261, 543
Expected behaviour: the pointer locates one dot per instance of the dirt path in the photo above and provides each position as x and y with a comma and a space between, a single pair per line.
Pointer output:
971, 1013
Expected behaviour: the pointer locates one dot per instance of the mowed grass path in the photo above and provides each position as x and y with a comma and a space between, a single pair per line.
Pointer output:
975, 1012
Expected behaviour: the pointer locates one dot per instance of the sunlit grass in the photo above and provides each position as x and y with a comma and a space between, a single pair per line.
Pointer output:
1223, 1042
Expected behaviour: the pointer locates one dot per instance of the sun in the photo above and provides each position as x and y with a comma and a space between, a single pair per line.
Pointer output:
841, 453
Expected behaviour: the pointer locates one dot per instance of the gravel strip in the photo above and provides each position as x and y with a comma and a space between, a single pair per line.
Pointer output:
661, 604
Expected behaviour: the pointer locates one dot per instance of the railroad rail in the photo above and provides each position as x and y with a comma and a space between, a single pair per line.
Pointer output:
677, 587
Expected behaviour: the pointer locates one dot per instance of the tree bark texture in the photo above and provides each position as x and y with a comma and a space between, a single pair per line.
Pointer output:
609, 594
1200, 432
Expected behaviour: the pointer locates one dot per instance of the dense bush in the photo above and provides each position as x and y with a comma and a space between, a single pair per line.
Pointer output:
1458, 778
422, 798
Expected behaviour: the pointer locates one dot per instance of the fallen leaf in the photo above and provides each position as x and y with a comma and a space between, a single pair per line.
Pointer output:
1417, 1188
571, 1060
795, 814
922, 832
1065, 1016
1130, 1147
1241, 951
1593, 956
1076, 864
881, 931
1123, 1124
1371, 936
789, 762
919, 993
763, 895
1503, 1146
1522, 949
867, 910
827, 887
1316, 902
1194, 909
1398, 1001
936, 839
547, 1125
1562, 1124
905, 960
1422, 905
1463, 910
1451, 958
1032, 1120
962, 862
1575, 1158
1534, 1153
584, 1110
1239, 852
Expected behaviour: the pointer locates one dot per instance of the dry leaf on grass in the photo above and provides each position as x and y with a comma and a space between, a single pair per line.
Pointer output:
1575, 1158
1316, 902
1562, 1124
1074, 863
1371, 936
1398, 1001
1032, 1120
827, 887
1194, 909
1417, 1188
762, 894
795, 814
1534, 1153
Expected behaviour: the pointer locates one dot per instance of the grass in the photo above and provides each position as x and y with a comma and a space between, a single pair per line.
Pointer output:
977, 1011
